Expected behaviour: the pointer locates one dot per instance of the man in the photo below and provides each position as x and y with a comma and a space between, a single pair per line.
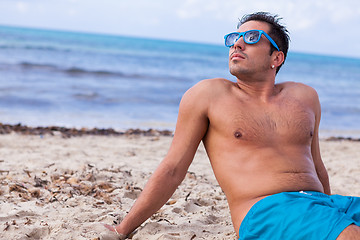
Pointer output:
262, 142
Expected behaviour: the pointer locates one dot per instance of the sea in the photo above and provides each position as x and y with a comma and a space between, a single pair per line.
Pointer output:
85, 80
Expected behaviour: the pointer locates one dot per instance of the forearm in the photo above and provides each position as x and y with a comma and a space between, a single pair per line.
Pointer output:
152, 198
191, 127
324, 179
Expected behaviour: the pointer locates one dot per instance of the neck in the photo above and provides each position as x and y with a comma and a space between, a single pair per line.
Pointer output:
263, 89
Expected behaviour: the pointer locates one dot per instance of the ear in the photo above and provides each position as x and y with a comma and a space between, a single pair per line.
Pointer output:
278, 58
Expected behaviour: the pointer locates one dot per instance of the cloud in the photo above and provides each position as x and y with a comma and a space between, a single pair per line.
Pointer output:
190, 20
299, 14
21, 7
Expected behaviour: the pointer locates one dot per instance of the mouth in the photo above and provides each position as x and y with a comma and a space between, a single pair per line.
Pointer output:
237, 56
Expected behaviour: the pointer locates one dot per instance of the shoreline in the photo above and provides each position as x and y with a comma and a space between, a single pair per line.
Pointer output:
78, 132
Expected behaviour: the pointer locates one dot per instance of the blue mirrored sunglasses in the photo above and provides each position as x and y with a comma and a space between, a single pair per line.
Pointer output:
250, 37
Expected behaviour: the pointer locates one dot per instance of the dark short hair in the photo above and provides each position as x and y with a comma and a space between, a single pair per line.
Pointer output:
278, 32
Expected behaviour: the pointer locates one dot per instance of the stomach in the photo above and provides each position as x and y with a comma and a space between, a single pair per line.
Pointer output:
249, 175
242, 195
256, 184
252, 171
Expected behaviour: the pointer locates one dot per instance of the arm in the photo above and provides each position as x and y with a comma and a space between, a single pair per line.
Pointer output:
191, 127
315, 149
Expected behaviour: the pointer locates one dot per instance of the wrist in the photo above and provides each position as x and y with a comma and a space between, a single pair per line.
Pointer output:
120, 235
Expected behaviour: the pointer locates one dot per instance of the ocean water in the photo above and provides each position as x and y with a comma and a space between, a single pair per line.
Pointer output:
91, 80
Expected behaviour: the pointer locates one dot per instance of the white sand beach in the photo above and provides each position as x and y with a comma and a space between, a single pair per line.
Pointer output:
65, 188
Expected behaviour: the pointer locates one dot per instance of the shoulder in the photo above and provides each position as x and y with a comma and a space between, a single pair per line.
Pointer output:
213, 83
303, 93
209, 88
201, 95
297, 86
300, 90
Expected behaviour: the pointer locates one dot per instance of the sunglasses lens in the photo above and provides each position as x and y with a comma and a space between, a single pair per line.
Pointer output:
231, 39
252, 37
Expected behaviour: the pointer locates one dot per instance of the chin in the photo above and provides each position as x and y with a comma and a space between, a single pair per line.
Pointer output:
236, 71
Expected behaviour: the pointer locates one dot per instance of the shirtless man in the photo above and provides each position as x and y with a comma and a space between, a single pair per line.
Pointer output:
262, 142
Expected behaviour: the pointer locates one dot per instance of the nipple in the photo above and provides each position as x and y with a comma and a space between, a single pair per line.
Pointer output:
237, 134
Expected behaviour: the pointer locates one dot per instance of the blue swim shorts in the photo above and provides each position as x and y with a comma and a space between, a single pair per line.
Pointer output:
300, 215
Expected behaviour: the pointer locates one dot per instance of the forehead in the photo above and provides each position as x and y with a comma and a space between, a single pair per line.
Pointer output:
251, 25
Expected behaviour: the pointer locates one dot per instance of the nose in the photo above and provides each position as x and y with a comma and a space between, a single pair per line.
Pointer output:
239, 44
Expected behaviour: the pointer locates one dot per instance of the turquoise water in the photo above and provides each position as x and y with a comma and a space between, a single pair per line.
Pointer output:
89, 80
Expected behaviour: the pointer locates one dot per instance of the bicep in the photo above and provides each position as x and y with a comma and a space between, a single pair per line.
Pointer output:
315, 148
191, 126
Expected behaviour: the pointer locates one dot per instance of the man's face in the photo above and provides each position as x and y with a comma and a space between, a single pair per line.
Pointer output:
250, 58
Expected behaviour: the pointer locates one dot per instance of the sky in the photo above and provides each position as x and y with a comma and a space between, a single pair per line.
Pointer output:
328, 27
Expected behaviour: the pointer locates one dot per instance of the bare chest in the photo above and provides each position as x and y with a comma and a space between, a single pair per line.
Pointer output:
282, 121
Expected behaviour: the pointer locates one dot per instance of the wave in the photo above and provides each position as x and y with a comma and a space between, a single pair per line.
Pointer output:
83, 72
72, 70
54, 48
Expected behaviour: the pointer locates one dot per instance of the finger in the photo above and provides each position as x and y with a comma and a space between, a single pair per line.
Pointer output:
109, 227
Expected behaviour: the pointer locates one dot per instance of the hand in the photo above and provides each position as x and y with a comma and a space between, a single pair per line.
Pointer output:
114, 235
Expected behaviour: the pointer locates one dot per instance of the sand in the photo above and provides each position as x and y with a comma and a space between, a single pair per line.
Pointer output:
65, 188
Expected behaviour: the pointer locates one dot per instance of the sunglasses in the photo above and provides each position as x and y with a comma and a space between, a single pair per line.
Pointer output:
250, 37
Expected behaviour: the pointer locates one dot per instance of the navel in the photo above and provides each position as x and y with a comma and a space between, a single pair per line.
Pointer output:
237, 134
311, 133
